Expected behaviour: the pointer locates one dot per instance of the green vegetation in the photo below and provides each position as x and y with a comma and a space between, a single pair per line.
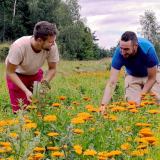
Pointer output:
76, 91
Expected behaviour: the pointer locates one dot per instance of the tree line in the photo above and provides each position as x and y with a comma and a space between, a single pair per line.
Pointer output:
75, 41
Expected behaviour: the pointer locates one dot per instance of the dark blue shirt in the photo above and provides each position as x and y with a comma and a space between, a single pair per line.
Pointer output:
137, 65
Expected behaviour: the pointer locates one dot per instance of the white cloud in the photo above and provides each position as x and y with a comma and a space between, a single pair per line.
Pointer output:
110, 18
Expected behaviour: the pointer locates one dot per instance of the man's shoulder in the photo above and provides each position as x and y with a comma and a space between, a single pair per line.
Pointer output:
144, 44
21, 42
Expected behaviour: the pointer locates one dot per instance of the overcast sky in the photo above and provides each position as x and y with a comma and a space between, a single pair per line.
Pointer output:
110, 18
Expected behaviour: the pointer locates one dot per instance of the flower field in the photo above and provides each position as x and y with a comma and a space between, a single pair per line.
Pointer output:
64, 122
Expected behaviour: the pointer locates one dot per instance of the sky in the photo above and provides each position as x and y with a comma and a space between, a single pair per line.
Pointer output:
111, 18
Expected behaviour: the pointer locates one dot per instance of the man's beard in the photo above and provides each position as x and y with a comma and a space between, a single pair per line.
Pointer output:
46, 49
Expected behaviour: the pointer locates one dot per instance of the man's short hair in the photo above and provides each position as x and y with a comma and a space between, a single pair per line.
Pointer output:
44, 29
129, 35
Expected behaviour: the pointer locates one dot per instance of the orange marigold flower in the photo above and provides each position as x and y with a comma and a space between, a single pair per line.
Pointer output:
143, 94
125, 146
14, 135
78, 131
77, 120
5, 144
90, 152
57, 154
52, 148
154, 111
62, 97
30, 125
134, 110
152, 95
36, 132
132, 102
39, 149
56, 104
142, 146
92, 129
78, 149
118, 129
50, 118
36, 156
53, 134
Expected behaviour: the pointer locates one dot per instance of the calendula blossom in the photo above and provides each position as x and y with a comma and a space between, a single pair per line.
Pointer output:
57, 154
53, 134
50, 118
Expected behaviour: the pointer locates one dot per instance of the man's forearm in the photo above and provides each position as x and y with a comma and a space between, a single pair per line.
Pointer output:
50, 74
109, 90
149, 84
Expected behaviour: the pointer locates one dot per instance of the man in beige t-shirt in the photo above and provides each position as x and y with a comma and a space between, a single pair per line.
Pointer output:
26, 57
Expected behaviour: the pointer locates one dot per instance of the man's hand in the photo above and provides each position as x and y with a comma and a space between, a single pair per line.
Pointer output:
103, 110
138, 101
29, 95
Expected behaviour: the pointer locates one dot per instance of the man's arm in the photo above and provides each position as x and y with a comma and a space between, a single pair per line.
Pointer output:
110, 87
51, 71
150, 82
10, 72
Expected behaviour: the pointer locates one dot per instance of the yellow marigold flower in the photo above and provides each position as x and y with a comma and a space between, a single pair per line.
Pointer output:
136, 153
154, 111
141, 140
57, 154
36, 132
118, 129
113, 118
142, 146
78, 149
56, 104
143, 94
124, 104
50, 118
65, 147
125, 146
53, 134
37, 149
7, 149
150, 139
14, 135
62, 97
77, 120
5, 144
116, 103
117, 109
2, 151
78, 131
36, 156
90, 152
92, 129
131, 106
143, 124
132, 102
28, 121
84, 115
53, 148
89, 106
30, 107
30, 125
134, 110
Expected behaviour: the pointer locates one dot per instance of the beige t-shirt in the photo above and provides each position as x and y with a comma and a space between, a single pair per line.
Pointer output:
29, 62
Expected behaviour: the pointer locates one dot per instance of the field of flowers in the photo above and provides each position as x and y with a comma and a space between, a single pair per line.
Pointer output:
63, 123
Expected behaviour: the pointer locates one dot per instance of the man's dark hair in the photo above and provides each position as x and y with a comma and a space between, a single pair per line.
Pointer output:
129, 35
44, 29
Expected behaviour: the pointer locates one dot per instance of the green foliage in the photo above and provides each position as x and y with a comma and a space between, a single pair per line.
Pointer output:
150, 29
3, 51
75, 41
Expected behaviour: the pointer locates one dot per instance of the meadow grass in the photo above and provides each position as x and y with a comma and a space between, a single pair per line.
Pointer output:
66, 117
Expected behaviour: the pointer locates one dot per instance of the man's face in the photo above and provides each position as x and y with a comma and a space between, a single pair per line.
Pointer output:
128, 49
48, 43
